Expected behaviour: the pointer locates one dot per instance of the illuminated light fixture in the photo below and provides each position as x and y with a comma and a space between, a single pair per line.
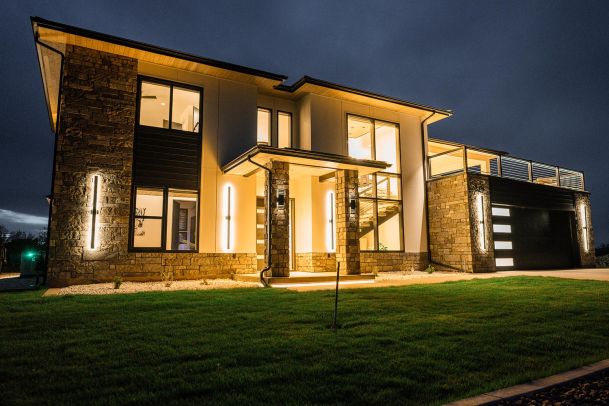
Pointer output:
228, 217
504, 261
94, 210
500, 211
352, 205
481, 221
280, 199
503, 245
502, 228
584, 222
330, 214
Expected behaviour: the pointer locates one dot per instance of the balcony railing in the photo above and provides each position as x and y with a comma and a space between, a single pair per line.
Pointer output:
454, 160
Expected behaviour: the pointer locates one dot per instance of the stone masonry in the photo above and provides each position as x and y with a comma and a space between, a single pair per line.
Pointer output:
347, 223
280, 216
316, 262
96, 129
375, 262
483, 259
449, 223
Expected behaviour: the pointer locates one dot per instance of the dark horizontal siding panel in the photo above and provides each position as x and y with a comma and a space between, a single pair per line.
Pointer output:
525, 194
166, 158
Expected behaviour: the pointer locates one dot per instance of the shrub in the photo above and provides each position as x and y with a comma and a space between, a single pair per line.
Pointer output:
430, 269
117, 282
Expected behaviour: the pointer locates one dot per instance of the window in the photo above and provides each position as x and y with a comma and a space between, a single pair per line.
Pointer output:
264, 126
284, 130
168, 106
151, 215
380, 194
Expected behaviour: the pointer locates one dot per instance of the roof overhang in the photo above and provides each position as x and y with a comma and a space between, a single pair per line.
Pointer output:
308, 84
263, 154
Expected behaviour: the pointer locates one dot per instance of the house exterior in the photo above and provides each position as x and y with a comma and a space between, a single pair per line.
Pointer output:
169, 165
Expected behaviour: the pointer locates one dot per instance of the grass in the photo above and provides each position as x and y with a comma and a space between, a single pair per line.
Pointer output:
424, 344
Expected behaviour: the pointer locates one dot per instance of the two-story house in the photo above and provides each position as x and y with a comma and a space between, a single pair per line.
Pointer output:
170, 165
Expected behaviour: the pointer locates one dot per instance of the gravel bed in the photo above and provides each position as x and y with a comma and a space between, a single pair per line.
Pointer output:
135, 287
590, 390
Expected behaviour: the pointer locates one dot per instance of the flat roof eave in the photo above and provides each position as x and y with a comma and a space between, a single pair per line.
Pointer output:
262, 154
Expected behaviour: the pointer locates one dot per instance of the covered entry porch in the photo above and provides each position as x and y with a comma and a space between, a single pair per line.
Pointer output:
308, 211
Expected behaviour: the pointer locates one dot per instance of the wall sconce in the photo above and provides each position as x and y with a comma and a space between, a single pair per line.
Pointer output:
228, 216
280, 199
330, 230
584, 221
481, 221
352, 205
94, 210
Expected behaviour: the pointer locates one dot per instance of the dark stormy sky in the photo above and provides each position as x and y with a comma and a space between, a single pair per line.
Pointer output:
528, 77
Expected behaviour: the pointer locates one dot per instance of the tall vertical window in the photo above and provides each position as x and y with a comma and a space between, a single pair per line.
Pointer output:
380, 194
264, 126
166, 167
284, 130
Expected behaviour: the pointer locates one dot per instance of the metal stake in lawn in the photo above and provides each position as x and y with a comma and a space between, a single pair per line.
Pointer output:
336, 297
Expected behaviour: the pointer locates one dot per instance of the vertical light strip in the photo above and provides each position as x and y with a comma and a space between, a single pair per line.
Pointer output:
94, 211
330, 235
481, 221
584, 220
228, 217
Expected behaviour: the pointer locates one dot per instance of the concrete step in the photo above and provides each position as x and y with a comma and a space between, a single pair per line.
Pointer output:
312, 278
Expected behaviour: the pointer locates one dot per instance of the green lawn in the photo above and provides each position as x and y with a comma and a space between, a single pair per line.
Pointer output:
425, 344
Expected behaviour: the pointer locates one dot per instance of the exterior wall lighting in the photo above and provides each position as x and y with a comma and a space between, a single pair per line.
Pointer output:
228, 217
280, 199
330, 215
94, 211
352, 205
584, 222
481, 221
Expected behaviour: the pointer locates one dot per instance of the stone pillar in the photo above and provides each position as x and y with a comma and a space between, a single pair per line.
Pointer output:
347, 223
280, 217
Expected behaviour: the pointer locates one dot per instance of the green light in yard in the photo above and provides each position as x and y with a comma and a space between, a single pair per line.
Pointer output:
30, 254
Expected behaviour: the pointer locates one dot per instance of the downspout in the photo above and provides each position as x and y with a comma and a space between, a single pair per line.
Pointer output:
425, 175
269, 226
50, 197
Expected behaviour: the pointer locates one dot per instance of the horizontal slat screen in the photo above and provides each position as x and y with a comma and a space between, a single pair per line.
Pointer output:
166, 158
514, 168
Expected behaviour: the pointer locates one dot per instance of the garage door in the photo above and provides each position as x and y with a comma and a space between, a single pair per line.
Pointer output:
532, 238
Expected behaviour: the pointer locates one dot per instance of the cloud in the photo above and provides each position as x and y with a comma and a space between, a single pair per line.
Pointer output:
22, 218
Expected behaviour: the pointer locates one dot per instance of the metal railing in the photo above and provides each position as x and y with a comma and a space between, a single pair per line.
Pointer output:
483, 162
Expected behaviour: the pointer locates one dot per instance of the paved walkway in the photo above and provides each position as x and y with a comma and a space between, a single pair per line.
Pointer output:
12, 282
600, 274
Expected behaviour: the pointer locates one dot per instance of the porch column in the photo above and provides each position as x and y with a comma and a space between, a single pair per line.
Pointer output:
347, 222
280, 216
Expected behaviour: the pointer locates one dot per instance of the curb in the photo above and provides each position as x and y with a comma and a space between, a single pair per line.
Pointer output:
529, 388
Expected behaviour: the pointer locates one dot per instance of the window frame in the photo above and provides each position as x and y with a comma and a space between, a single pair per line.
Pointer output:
171, 84
270, 129
375, 200
162, 249
291, 116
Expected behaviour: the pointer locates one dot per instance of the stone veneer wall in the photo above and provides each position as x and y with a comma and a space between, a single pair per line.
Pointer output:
449, 223
347, 223
280, 217
316, 262
588, 259
96, 129
374, 262
483, 260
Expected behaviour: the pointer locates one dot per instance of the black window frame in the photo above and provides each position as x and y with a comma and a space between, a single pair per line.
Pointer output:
171, 84
165, 187
375, 199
